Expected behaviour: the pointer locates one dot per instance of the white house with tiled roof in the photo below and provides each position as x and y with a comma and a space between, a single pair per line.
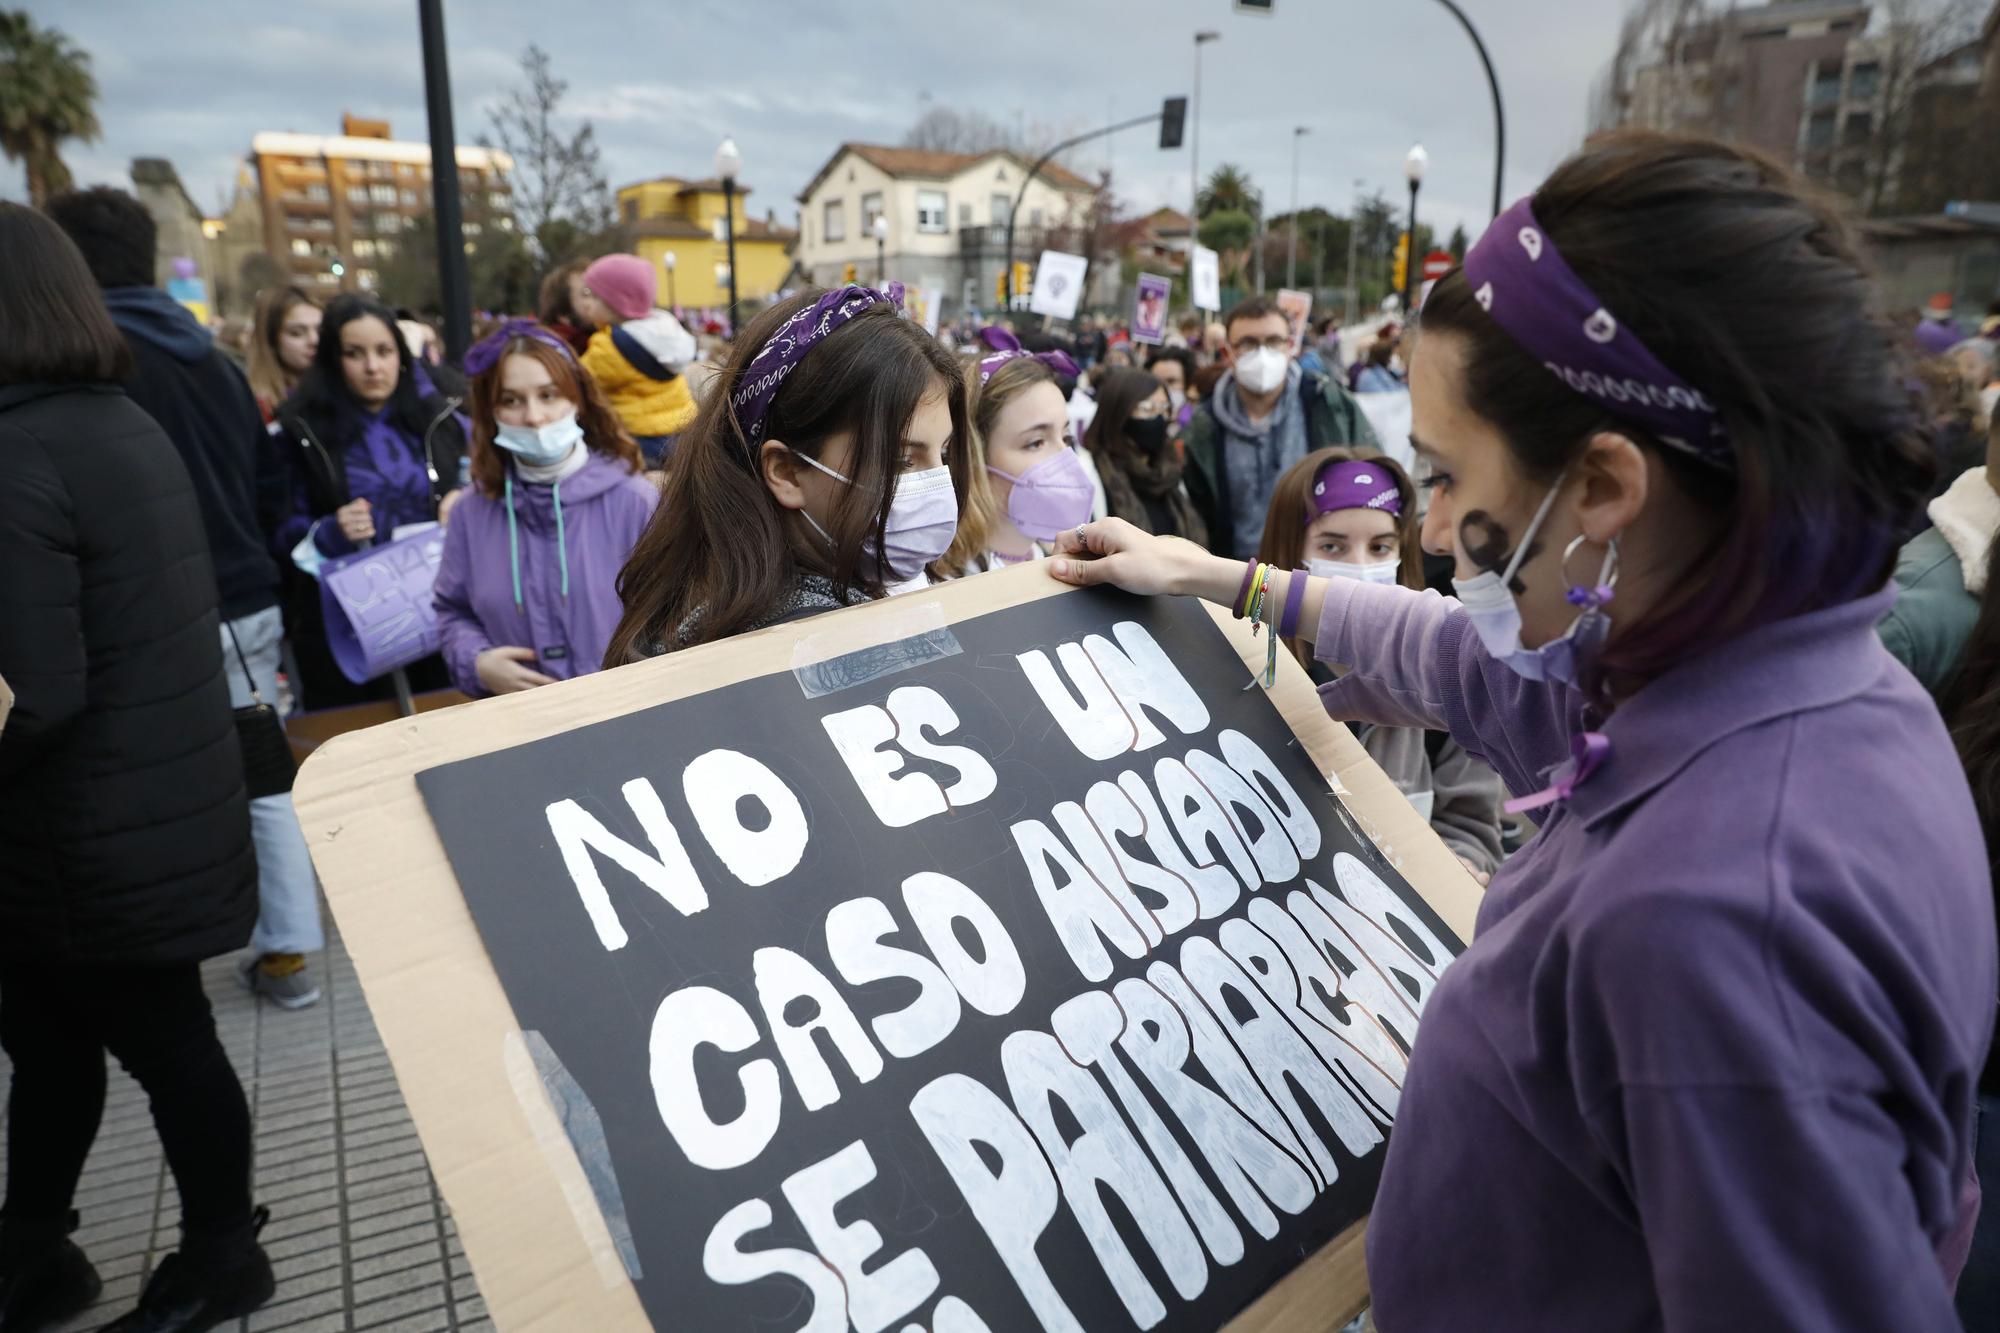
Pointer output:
946, 216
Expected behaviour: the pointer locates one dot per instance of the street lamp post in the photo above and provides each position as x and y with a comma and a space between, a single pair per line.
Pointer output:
728, 165
1292, 232
881, 230
1413, 172
668, 261
1353, 238
1201, 39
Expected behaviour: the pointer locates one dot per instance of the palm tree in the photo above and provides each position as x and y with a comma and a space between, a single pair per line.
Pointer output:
47, 95
1229, 190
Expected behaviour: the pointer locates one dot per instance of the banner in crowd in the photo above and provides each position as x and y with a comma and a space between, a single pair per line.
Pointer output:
1022, 972
378, 605
1297, 308
1058, 284
1205, 280
1149, 311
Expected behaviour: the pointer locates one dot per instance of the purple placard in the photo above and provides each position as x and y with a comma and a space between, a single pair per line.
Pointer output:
378, 607
1149, 312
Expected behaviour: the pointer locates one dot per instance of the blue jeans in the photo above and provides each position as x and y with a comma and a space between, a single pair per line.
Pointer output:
287, 892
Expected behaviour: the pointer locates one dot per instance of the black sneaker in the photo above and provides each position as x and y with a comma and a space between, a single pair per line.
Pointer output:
184, 1297
42, 1285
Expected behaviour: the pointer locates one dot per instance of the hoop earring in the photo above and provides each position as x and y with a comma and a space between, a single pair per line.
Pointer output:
1591, 596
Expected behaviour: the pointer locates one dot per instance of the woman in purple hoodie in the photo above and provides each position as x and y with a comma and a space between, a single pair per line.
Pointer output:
527, 593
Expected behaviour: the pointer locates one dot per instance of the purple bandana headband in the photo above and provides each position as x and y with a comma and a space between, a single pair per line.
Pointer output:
783, 350
485, 354
1354, 484
1536, 298
1006, 347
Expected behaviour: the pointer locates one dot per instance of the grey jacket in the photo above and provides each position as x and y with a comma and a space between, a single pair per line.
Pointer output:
1458, 794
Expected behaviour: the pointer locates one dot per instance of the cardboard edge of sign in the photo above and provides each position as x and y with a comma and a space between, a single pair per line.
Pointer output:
505, 1169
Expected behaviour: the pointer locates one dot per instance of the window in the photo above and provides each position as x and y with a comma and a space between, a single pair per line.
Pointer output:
997, 209
1826, 83
871, 208
1857, 129
964, 214
504, 223
386, 249
1819, 131
1034, 217
316, 193
388, 223
366, 277
319, 224
302, 247
1864, 81
835, 221
470, 228
409, 199
363, 248
722, 275
631, 210
382, 194
357, 194
932, 206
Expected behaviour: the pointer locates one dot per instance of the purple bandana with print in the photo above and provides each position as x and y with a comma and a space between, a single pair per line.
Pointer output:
1520, 279
485, 354
781, 353
1006, 347
1352, 483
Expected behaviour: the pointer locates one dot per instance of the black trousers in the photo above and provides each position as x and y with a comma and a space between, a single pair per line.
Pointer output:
56, 1025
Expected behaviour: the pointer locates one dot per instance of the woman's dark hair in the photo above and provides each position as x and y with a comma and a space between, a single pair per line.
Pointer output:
553, 304
115, 232
54, 328
1181, 356
720, 543
1121, 390
1753, 290
325, 402
1381, 352
1971, 707
1292, 511
603, 431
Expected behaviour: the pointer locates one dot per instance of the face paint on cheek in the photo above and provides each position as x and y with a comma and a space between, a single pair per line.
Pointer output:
1487, 544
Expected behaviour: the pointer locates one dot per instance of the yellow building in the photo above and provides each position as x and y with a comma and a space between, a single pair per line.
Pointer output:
683, 219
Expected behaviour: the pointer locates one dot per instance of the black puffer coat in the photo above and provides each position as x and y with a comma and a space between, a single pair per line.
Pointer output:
124, 832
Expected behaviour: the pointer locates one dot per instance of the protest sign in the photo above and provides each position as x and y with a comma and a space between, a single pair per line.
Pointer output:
994, 962
378, 605
1058, 284
1149, 311
1205, 280
1297, 308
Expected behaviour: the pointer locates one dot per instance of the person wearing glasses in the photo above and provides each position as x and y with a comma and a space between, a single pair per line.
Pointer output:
1265, 415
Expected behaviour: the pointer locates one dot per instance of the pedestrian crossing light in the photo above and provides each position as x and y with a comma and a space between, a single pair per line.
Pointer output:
1402, 262
847, 274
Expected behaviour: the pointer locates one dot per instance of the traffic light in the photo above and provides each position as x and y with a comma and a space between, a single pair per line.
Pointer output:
1023, 277
1173, 120
1402, 262
847, 274
1000, 289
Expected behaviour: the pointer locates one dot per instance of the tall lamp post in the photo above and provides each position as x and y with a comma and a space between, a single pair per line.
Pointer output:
881, 230
667, 261
1201, 39
1413, 172
1292, 231
728, 165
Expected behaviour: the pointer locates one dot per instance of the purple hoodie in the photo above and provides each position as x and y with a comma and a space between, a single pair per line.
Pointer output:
604, 509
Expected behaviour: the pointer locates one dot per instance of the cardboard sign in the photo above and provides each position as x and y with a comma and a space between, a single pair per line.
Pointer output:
1205, 280
1149, 311
930, 300
1298, 308
1058, 284
379, 611
935, 962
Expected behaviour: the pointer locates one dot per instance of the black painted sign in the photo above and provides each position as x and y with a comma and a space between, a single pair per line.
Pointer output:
1038, 982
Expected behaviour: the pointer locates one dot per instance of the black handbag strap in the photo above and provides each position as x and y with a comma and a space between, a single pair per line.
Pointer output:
243, 662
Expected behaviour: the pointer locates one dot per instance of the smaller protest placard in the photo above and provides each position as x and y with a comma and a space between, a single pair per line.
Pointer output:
378, 607
1205, 279
1058, 284
1298, 312
1149, 312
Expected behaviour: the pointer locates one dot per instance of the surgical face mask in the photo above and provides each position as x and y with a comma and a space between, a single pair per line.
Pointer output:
1263, 370
1176, 399
543, 445
923, 518
1049, 498
1496, 616
1383, 571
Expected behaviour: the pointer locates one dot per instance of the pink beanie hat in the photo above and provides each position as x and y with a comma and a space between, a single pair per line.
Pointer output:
625, 283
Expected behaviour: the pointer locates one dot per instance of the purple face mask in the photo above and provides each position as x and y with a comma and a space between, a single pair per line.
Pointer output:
1049, 498
923, 519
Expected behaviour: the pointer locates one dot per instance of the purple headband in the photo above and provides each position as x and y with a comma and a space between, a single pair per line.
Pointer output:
483, 355
1352, 483
784, 349
1536, 298
1006, 347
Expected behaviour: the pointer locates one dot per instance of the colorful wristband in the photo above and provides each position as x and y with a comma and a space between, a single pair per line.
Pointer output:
1242, 603
1295, 600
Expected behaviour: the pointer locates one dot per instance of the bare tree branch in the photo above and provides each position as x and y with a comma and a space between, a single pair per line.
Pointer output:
558, 177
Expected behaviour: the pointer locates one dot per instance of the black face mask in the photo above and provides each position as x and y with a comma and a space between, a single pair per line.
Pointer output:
1149, 435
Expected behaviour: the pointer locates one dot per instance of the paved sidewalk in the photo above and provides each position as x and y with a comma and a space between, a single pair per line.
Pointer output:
359, 1235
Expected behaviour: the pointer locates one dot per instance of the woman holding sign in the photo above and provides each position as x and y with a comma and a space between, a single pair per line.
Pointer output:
527, 592
822, 471
1710, 1061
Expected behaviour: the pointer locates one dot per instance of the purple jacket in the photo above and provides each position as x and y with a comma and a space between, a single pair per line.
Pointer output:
1709, 1061
604, 509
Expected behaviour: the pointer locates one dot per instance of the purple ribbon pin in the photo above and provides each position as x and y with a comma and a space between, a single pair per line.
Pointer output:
1588, 751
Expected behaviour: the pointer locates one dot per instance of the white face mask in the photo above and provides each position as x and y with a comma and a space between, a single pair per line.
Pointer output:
1496, 616
1263, 370
543, 445
1384, 571
1176, 399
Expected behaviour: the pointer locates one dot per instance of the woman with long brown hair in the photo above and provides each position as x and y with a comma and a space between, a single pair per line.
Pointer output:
822, 471
284, 334
1139, 461
1342, 512
527, 592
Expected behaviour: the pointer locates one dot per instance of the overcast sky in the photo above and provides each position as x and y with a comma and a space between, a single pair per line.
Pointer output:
664, 80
